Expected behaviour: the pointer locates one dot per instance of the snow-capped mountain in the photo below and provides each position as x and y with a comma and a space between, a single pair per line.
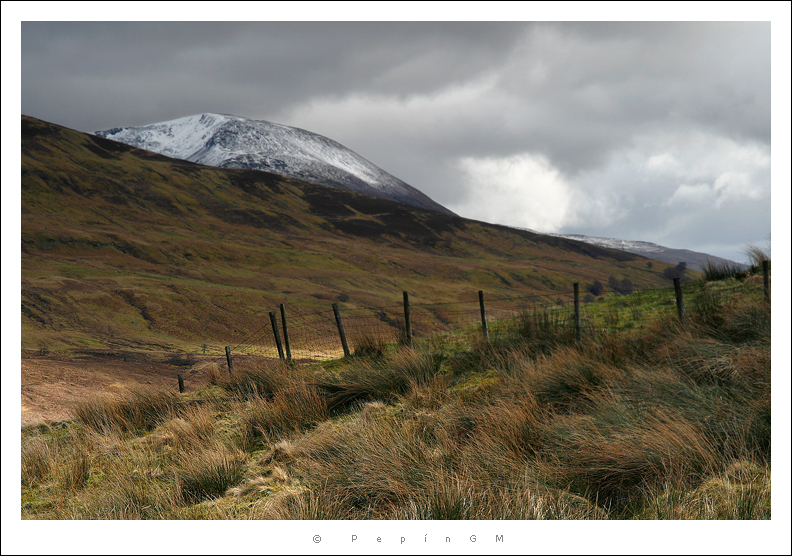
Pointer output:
227, 141
694, 259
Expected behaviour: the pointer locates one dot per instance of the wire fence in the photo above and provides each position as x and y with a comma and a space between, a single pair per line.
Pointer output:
309, 335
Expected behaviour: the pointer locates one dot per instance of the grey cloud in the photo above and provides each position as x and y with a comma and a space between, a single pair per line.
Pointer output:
261, 66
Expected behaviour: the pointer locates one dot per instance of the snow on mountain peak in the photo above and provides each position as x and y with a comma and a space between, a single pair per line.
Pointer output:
228, 141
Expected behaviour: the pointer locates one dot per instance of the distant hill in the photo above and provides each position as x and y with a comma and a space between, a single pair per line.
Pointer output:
228, 141
123, 246
694, 259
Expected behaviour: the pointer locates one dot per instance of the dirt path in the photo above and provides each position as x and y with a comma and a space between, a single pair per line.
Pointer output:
52, 384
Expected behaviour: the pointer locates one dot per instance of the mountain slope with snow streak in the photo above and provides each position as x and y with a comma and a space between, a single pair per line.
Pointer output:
694, 259
227, 141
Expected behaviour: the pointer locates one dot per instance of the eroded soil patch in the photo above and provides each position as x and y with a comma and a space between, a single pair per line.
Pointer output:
52, 384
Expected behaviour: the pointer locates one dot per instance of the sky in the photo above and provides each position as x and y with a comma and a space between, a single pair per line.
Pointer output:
652, 131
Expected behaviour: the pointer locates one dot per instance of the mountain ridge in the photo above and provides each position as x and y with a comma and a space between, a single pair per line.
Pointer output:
695, 260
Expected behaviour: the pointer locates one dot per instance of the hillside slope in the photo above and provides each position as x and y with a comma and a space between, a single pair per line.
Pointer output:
122, 246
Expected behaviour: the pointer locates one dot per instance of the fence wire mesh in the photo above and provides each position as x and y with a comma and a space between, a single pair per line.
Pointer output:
315, 336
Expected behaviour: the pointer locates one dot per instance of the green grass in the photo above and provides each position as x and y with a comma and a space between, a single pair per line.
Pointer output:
661, 420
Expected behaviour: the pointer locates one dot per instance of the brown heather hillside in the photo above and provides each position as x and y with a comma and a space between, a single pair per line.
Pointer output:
126, 249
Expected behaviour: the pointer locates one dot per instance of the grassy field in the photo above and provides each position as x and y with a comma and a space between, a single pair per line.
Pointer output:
645, 418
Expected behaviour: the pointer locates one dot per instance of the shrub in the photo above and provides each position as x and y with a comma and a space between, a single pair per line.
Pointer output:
626, 287
622, 287
596, 288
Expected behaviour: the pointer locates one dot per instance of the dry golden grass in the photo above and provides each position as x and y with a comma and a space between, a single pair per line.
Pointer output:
207, 471
38, 459
292, 409
672, 422
143, 408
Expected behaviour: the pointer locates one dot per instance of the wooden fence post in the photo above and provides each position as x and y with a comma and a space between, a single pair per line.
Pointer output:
407, 321
576, 290
181, 383
285, 332
341, 329
228, 359
680, 300
766, 273
274, 321
484, 328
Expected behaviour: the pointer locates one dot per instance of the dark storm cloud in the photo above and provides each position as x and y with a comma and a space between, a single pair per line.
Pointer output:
591, 114
141, 72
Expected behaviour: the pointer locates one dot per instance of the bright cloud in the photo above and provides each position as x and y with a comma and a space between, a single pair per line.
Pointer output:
736, 186
522, 190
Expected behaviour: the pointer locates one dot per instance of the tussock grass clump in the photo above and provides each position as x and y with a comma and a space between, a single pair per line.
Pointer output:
258, 383
140, 409
193, 428
101, 475
306, 504
749, 324
566, 381
714, 270
38, 459
452, 498
728, 318
208, 472
370, 346
757, 255
373, 463
615, 451
129, 492
518, 428
384, 380
429, 396
292, 409
73, 470
740, 492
